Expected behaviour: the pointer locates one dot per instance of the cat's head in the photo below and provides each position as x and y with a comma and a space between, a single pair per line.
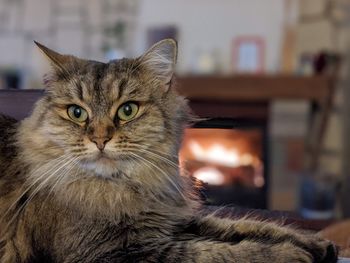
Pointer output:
106, 118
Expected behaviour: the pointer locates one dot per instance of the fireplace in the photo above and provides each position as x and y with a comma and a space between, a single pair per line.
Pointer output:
228, 157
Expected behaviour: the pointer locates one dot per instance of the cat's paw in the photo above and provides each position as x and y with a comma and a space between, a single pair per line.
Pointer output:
287, 253
322, 251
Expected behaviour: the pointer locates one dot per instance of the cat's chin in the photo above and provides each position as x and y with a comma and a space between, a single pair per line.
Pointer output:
103, 166
100, 168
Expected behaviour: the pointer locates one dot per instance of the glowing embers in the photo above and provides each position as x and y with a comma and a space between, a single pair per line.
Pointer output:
209, 175
216, 153
224, 156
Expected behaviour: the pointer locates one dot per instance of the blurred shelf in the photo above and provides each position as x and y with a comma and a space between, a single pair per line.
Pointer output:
255, 88
241, 96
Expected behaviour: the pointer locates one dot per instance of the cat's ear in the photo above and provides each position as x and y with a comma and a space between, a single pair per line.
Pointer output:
161, 59
57, 61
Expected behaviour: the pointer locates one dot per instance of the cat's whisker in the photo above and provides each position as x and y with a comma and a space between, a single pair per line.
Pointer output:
54, 166
176, 156
78, 151
166, 176
37, 189
59, 175
159, 157
57, 166
59, 160
69, 167
168, 161
137, 158
60, 164
77, 171
62, 176
146, 147
49, 178
164, 154
75, 166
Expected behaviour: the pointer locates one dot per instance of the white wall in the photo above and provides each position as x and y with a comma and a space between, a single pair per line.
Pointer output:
212, 24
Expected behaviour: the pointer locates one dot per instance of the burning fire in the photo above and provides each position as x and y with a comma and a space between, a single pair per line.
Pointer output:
218, 154
210, 175
219, 160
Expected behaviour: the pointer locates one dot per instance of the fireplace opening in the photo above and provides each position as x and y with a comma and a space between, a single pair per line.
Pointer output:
229, 158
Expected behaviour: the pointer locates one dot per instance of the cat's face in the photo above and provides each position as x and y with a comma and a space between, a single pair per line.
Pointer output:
107, 116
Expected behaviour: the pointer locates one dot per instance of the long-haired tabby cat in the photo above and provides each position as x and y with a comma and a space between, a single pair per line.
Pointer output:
92, 175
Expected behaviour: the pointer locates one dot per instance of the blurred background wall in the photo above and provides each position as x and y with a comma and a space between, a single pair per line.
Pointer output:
84, 28
210, 26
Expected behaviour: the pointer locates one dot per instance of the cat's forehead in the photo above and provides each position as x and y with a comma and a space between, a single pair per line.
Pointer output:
101, 75
104, 83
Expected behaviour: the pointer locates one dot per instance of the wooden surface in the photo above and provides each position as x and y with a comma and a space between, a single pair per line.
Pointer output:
254, 88
18, 103
239, 96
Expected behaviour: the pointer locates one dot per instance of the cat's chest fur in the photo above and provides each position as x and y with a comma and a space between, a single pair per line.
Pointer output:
59, 232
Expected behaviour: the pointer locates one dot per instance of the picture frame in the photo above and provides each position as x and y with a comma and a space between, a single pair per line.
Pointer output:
248, 54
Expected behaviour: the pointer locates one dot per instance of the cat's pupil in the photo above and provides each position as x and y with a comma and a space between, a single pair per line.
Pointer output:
77, 112
127, 110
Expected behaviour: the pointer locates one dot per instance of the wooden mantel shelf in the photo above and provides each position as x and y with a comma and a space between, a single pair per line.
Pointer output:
241, 96
255, 88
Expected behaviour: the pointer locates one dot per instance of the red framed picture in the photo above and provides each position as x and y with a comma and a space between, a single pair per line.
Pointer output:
248, 54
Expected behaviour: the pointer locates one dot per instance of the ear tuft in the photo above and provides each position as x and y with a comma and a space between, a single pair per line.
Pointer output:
161, 59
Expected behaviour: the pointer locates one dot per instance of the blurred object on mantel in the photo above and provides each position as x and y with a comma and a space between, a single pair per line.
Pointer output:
10, 78
289, 36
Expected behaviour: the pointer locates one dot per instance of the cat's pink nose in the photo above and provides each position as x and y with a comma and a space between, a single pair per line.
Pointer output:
100, 142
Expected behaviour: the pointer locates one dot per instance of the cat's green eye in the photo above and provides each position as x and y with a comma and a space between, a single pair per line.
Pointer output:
77, 113
127, 111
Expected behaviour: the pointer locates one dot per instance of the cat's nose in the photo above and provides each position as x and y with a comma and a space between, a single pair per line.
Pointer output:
100, 134
100, 142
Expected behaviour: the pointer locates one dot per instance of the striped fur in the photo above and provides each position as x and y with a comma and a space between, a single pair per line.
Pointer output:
62, 200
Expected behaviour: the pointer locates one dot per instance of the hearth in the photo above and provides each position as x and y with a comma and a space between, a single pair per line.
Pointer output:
229, 157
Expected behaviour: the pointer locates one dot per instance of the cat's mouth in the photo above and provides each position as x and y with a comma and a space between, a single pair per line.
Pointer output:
103, 157
102, 164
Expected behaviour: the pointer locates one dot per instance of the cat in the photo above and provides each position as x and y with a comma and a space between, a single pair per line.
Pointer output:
92, 175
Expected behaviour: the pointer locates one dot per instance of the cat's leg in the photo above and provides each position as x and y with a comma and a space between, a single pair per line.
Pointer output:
12, 253
195, 250
15, 244
200, 251
245, 229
